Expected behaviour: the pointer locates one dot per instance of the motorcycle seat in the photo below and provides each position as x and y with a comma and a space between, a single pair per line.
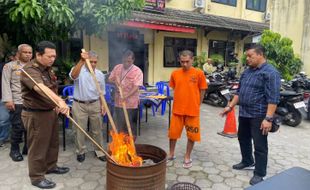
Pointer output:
215, 83
289, 93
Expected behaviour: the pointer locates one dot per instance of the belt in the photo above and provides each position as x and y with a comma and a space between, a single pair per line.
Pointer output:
85, 102
36, 110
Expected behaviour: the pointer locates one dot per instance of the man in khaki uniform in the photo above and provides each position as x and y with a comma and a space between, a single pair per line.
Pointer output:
12, 98
40, 116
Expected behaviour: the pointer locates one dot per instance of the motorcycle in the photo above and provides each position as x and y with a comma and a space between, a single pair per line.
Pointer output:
300, 84
290, 107
233, 86
306, 112
217, 94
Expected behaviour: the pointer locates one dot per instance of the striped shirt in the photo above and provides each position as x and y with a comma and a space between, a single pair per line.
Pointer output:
258, 88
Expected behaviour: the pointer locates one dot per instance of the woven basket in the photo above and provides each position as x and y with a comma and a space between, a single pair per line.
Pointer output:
184, 186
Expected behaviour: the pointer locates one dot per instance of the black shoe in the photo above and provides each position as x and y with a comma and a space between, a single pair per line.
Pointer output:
80, 157
242, 166
102, 158
16, 156
44, 184
25, 150
58, 170
256, 179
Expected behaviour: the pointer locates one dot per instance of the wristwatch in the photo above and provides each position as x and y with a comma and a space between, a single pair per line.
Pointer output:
269, 119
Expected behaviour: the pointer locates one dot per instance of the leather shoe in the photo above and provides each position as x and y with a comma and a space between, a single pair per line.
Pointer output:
256, 179
243, 166
44, 184
80, 157
58, 170
16, 156
102, 158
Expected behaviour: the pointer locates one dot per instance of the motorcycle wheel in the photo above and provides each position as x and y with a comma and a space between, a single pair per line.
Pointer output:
296, 118
223, 102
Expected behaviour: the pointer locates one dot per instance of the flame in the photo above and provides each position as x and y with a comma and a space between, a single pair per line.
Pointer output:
123, 150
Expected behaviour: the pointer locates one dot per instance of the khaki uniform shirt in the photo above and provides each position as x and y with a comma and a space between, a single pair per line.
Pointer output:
41, 74
11, 87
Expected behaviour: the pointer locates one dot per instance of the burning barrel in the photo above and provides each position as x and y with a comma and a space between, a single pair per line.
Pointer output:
146, 177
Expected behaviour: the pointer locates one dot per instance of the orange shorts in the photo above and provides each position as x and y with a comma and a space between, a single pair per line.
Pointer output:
191, 124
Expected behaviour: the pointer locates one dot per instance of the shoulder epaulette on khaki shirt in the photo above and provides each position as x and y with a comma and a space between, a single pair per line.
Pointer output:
11, 87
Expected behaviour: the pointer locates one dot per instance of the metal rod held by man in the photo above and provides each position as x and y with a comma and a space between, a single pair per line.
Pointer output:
102, 99
69, 117
125, 112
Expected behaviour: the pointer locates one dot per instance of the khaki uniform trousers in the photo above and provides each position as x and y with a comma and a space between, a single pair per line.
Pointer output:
82, 113
43, 142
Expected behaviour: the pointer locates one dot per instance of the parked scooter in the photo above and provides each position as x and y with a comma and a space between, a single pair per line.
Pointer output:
217, 94
300, 84
306, 113
289, 108
233, 86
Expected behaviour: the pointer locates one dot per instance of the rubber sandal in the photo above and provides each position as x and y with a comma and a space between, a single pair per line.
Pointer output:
188, 164
171, 159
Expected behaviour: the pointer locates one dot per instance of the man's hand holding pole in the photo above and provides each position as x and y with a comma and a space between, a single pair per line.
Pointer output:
64, 109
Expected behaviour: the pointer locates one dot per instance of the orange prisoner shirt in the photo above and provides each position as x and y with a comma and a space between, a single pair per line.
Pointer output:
187, 86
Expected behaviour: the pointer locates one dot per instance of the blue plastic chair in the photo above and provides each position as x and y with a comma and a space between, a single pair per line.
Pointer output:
68, 92
141, 103
109, 89
163, 89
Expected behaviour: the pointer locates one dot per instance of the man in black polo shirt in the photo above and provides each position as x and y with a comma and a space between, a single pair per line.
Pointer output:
258, 96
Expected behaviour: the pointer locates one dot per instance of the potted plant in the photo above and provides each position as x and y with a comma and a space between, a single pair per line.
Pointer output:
200, 60
217, 59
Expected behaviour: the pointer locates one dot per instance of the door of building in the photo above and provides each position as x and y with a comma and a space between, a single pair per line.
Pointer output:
122, 39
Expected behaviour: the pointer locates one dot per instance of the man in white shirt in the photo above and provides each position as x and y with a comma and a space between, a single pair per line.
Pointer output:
86, 107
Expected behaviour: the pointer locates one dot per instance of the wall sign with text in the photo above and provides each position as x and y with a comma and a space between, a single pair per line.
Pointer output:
155, 5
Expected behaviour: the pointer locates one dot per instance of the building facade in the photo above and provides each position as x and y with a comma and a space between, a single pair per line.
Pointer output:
164, 28
291, 18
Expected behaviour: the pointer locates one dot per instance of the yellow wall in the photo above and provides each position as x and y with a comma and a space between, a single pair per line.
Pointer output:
291, 18
159, 72
238, 11
285, 23
222, 9
180, 4
100, 46
155, 39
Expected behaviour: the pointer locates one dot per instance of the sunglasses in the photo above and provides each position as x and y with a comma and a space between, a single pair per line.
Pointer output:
93, 61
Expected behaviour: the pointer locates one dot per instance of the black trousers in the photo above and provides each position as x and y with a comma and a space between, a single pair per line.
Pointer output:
249, 128
18, 129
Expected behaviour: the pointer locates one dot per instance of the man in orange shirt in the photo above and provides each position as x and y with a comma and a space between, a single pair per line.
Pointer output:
189, 86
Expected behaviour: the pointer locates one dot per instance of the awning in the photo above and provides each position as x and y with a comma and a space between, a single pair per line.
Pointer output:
197, 20
161, 26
